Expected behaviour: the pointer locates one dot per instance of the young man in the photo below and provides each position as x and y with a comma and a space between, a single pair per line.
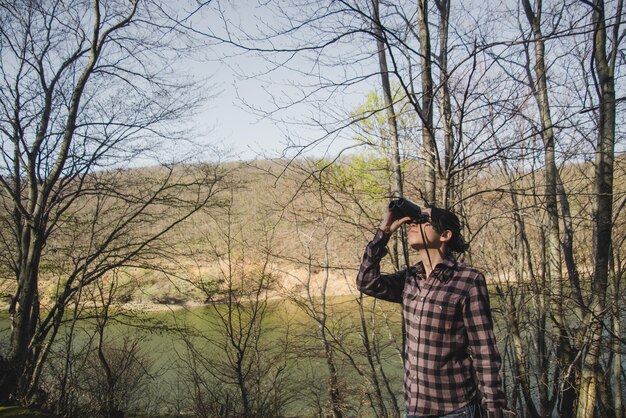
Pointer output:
451, 355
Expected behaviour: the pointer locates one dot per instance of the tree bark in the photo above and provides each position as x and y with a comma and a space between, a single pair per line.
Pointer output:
522, 375
604, 67
539, 87
447, 174
392, 123
616, 377
428, 133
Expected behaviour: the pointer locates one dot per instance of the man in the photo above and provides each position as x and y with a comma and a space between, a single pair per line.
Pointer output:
451, 354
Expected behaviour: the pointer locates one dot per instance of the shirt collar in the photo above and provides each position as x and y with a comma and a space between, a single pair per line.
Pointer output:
447, 268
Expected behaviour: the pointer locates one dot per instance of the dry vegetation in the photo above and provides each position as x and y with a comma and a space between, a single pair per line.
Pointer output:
293, 217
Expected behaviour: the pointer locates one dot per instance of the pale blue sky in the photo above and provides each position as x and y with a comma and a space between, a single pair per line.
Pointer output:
229, 122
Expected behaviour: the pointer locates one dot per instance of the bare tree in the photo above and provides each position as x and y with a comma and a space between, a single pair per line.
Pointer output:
538, 83
118, 369
312, 299
85, 88
99, 364
331, 209
235, 357
607, 37
428, 100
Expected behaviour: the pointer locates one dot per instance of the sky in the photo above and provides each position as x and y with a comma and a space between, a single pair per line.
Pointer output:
228, 120
225, 121
239, 79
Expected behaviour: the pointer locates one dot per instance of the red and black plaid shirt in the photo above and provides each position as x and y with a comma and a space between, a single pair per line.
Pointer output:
450, 347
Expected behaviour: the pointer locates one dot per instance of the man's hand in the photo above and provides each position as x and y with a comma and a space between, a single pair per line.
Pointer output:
390, 224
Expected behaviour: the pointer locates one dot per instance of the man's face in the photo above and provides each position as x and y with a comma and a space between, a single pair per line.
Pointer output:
423, 235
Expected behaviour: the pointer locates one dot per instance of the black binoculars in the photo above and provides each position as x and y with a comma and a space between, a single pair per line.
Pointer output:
404, 207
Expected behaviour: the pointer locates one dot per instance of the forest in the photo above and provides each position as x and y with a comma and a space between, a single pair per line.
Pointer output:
146, 272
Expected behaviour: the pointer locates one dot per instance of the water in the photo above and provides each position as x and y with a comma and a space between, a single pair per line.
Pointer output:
289, 341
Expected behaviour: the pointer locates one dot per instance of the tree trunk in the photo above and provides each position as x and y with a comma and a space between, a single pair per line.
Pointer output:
522, 375
392, 123
539, 88
428, 132
448, 192
603, 204
375, 364
616, 378
25, 316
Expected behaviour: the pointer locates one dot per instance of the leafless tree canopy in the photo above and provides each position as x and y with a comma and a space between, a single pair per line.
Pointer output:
87, 89
507, 113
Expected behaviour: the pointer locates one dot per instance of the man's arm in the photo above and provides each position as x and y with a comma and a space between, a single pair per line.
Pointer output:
370, 281
482, 341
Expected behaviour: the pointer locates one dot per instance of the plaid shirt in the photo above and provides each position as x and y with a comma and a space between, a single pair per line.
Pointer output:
450, 347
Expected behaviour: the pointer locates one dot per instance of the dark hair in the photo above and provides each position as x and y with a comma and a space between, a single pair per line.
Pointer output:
442, 220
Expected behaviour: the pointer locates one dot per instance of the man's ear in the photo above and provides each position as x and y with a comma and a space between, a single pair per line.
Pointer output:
446, 236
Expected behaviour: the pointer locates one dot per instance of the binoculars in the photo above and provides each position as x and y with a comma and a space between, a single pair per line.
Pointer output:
404, 207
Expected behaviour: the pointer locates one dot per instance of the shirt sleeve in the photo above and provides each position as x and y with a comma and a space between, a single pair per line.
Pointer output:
482, 342
370, 281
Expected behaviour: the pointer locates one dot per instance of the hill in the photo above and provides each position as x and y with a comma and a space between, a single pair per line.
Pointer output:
301, 226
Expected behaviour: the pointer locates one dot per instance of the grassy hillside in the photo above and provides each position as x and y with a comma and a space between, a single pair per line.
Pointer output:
305, 223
